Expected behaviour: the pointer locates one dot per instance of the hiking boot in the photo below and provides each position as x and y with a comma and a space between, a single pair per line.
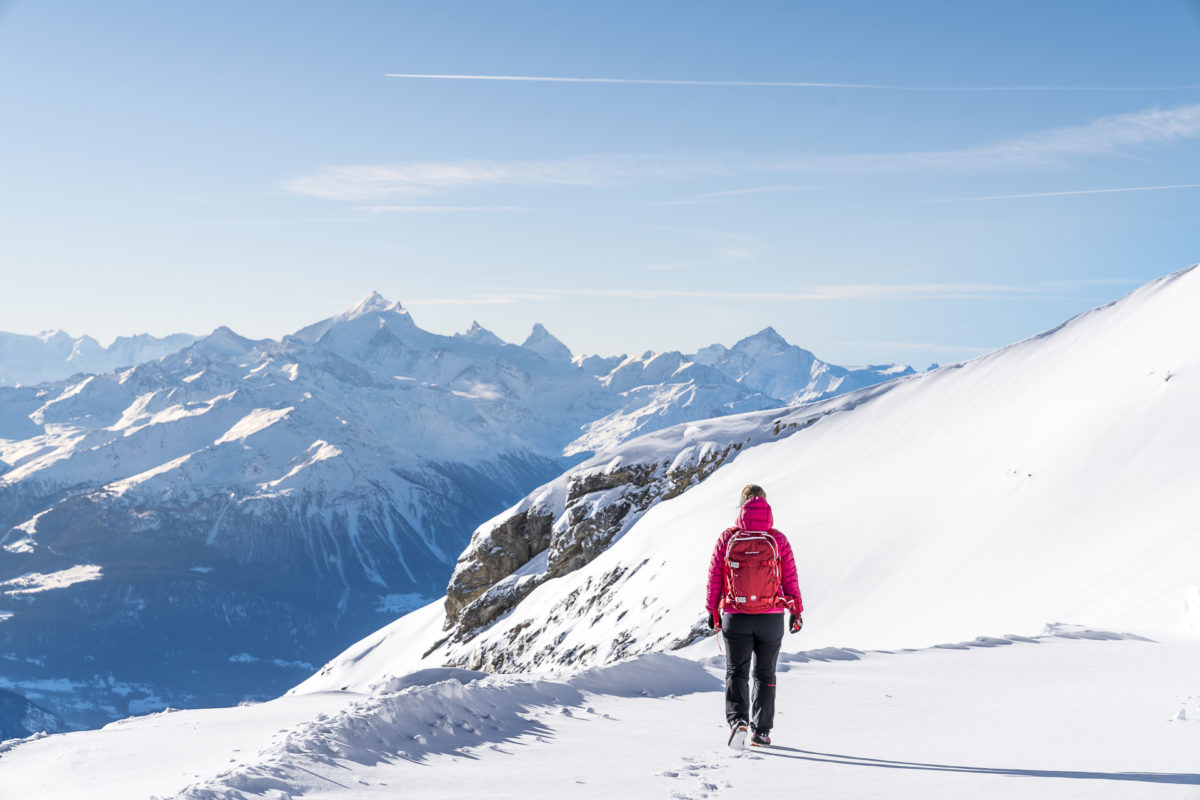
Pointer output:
737, 735
760, 739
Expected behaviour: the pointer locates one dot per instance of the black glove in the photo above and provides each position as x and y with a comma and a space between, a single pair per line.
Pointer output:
712, 620
795, 623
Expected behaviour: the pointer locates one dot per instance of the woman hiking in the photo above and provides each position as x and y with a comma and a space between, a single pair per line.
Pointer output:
751, 583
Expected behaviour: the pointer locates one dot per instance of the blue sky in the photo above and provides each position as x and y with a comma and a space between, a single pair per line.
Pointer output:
963, 176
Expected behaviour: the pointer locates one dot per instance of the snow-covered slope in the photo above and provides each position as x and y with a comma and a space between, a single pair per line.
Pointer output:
1051, 480
245, 509
56, 355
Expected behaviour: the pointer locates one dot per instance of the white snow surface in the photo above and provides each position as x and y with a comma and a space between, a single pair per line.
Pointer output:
943, 527
37, 582
1073, 713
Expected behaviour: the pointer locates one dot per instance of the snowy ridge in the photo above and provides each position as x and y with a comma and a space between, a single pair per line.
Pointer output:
55, 355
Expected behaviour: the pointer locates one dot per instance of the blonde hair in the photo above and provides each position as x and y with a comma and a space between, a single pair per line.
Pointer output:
753, 490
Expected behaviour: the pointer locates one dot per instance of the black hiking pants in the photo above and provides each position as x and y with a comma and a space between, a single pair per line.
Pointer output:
757, 638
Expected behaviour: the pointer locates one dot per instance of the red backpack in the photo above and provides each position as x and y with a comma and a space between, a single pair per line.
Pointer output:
753, 578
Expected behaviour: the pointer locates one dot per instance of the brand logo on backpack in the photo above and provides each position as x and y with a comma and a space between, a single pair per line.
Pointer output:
752, 573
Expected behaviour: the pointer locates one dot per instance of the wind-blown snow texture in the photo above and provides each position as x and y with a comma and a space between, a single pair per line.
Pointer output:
210, 525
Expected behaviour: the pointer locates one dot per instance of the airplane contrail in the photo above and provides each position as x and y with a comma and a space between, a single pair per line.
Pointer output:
789, 84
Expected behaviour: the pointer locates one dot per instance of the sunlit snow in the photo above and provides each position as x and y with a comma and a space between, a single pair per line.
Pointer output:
35, 582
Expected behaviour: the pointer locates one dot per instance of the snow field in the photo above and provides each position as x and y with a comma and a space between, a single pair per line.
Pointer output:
1090, 716
1048, 718
157, 754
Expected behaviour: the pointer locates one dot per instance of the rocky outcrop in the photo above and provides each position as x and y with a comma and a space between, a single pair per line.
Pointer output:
602, 505
592, 599
533, 545
507, 547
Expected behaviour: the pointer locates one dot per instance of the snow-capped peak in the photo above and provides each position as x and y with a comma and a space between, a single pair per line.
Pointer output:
225, 341
372, 304
355, 326
542, 342
767, 340
477, 334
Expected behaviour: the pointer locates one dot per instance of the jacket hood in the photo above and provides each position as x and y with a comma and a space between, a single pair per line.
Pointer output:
756, 515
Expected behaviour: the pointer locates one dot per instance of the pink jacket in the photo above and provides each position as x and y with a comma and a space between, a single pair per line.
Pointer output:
755, 515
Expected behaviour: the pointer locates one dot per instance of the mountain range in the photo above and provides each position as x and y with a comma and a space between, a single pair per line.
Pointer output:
55, 355
210, 524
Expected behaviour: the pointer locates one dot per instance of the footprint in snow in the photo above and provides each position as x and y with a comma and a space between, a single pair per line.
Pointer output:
705, 773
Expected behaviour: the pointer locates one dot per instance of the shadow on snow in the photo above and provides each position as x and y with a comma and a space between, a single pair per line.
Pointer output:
1182, 778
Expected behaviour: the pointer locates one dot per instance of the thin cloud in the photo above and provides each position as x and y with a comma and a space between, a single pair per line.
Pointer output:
1117, 190
1107, 137
737, 254
373, 182
884, 87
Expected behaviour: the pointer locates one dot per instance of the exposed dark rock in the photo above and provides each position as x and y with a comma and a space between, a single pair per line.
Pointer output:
506, 548
593, 526
601, 505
